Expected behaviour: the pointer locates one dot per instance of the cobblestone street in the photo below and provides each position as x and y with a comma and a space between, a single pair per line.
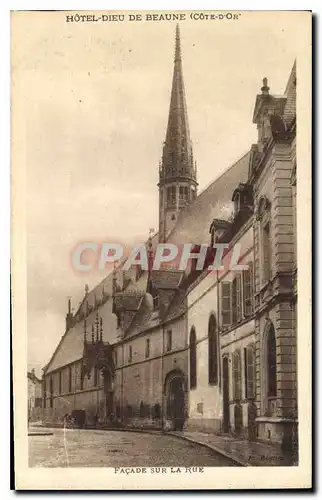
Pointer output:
91, 448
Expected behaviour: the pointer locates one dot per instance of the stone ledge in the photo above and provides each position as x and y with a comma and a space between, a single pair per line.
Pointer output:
276, 420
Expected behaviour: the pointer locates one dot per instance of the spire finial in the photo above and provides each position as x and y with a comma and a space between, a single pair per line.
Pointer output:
86, 289
265, 88
177, 56
69, 305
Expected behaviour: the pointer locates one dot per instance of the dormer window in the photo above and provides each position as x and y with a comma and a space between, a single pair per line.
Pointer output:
242, 198
217, 230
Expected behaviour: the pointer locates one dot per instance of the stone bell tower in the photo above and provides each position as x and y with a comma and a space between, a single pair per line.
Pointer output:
177, 172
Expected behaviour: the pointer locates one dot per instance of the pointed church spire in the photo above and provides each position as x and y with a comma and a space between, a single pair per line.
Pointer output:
177, 173
178, 147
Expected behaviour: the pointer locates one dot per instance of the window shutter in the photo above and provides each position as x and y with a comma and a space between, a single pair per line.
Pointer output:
236, 305
248, 290
226, 303
238, 298
250, 364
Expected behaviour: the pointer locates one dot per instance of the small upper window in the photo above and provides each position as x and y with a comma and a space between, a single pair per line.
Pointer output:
147, 348
169, 340
237, 203
156, 302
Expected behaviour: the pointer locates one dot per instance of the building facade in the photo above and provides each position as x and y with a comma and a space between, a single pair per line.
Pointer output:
242, 323
211, 350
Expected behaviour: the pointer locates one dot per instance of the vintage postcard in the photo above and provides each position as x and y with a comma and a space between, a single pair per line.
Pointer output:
161, 180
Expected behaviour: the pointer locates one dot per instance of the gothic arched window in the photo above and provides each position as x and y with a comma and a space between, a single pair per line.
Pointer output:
271, 363
193, 359
212, 351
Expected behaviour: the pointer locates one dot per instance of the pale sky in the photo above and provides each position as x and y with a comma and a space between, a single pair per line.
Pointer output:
93, 99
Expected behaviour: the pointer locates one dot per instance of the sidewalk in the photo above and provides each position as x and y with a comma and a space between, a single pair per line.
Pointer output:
243, 452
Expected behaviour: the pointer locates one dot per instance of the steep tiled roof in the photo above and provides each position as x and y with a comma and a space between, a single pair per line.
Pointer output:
130, 301
166, 279
178, 305
290, 92
214, 202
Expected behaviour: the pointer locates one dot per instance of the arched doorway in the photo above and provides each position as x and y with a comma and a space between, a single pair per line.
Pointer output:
175, 399
268, 382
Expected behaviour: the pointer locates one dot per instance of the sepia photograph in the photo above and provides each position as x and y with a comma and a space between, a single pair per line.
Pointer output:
156, 159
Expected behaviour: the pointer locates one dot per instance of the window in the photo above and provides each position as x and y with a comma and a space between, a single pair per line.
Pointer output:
250, 373
115, 358
147, 348
226, 304
130, 354
193, 359
95, 376
212, 351
156, 302
142, 410
59, 382
51, 390
237, 375
37, 402
118, 320
263, 215
82, 375
171, 194
266, 252
236, 299
169, 340
248, 288
44, 392
70, 379
237, 203
271, 363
